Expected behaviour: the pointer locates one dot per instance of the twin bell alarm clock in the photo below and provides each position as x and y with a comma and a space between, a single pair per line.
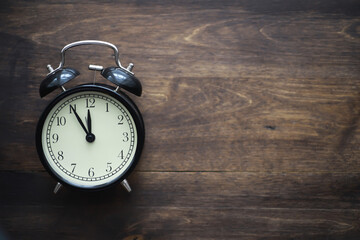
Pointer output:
90, 137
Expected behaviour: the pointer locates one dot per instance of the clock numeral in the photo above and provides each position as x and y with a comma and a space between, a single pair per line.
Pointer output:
73, 165
72, 108
55, 138
121, 119
90, 102
91, 172
126, 137
121, 154
60, 155
107, 107
60, 121
108, 168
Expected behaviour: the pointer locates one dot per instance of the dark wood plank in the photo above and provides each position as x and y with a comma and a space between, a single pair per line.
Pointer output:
197, 189
181, 223
237, 205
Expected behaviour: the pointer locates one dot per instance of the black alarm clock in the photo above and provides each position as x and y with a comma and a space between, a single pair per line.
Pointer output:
91, 136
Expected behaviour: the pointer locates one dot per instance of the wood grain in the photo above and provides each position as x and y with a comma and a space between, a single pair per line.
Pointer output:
237, 205
251, 111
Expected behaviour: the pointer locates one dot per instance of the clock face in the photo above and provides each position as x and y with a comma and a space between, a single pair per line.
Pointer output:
89, 138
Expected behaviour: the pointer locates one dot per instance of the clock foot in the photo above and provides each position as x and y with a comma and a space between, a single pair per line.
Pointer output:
126, 185
57, 187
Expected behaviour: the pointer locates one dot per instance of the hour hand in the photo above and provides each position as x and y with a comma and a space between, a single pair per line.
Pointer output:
79, 120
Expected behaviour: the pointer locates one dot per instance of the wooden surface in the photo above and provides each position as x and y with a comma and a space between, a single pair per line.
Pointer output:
251, 111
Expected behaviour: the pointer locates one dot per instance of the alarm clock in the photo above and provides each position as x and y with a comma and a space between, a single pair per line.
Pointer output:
91, 136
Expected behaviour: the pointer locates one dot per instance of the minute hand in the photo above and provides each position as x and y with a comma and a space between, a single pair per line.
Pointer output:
79, 120
89, 122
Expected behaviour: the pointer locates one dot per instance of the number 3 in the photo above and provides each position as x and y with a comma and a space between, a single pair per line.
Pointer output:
126, 137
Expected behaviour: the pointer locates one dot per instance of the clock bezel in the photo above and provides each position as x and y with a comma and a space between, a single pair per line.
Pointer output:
122, 98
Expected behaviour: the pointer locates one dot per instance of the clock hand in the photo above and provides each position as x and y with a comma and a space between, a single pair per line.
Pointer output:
90, 137
89, 121
79, 120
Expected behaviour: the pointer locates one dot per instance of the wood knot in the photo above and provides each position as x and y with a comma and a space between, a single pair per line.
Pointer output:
270, 127
134, 237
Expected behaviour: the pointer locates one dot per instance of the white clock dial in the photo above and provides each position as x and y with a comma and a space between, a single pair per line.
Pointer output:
88, 161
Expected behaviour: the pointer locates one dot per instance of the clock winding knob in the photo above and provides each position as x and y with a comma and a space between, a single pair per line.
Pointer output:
49, 68
130, 67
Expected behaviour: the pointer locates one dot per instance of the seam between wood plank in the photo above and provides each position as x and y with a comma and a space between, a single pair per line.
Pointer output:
229, 171
204, 171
